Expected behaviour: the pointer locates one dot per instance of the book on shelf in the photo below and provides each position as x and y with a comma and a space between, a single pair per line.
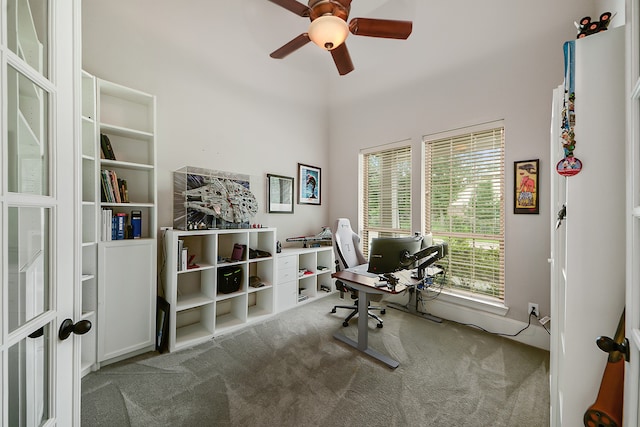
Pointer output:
183, 259
106, 232
114, 186
104, 191
120, 223
106, 148
180, 247
107, 186
124, 192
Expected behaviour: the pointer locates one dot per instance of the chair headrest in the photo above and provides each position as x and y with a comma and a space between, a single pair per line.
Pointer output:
347, 244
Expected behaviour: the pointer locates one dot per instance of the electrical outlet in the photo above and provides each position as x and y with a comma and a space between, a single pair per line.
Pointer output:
533, 307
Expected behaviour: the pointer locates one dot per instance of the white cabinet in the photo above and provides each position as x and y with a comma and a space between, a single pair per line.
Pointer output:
201, 304
127, 298
119, 276
287, 281
588, 249
303, 275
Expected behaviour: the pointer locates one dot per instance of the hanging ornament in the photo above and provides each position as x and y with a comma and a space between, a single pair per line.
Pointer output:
569, 165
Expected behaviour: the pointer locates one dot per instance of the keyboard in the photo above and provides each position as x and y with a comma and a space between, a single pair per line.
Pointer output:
361, 270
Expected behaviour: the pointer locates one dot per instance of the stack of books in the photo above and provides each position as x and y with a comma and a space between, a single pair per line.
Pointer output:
114, 189
113, 226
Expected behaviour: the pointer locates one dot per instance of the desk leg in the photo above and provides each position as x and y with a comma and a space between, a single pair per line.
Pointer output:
363, 321
363, 334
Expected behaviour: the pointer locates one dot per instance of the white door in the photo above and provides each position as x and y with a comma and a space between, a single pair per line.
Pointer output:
632, 321
38, 66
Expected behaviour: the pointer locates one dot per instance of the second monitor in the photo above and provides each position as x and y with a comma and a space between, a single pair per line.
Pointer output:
389, 254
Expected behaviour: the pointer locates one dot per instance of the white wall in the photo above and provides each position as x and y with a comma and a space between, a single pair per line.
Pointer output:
513, 83
243, 118
224, 104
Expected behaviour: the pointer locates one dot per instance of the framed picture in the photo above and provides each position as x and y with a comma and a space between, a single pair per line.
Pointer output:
526, 180
309, 185
280, 193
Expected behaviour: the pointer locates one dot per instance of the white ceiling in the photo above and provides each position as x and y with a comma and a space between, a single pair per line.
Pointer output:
235, 37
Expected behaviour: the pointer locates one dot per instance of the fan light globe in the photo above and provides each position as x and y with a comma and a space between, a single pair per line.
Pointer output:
328, 31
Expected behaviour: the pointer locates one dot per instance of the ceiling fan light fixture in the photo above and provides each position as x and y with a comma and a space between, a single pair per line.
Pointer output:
328, 31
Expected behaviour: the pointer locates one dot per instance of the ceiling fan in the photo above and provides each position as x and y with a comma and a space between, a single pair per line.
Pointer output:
329, 29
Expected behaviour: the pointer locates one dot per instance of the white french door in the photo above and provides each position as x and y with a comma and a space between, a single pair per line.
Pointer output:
38, 68
632, 316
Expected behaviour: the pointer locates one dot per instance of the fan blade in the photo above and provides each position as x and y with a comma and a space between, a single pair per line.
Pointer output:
342, 59
290, 47
293, 6
385, 28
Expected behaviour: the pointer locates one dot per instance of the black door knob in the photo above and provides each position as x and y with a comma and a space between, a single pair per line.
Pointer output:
67, 327
614, 348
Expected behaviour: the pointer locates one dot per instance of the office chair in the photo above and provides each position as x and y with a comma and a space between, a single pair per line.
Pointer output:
346, 244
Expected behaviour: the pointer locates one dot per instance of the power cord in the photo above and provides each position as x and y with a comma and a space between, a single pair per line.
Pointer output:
438, 290
434, 289
500, 333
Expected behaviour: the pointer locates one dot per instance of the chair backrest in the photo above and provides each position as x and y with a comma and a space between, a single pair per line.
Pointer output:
346, 244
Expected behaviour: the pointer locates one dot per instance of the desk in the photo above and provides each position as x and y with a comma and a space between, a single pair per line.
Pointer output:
366, 285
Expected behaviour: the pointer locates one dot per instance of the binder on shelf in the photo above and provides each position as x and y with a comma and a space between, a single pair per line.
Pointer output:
136, 224
107, 149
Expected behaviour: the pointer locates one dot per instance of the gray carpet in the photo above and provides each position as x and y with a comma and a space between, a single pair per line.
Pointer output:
290, 371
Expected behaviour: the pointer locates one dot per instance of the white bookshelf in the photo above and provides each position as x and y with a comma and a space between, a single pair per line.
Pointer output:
89, 241
119, 276
198, 309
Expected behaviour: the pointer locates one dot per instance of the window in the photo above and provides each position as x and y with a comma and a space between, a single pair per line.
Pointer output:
464, 205
386, 189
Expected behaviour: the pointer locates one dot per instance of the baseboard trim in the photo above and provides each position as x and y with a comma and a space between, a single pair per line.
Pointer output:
535, 335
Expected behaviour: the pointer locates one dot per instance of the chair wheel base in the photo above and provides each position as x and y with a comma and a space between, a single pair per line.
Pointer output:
383, 311
379, 325
333, 310
345, 324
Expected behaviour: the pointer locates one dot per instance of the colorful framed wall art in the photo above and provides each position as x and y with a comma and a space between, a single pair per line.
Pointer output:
526, 180
309, 185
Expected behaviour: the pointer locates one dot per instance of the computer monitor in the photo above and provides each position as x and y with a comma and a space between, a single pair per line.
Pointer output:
389, 254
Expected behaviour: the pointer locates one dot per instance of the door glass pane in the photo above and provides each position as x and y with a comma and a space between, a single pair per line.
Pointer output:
27, 113
28, 264
27, 23
29, 379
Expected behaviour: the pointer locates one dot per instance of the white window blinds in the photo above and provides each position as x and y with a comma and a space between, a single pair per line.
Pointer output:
464, 205
386, 180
